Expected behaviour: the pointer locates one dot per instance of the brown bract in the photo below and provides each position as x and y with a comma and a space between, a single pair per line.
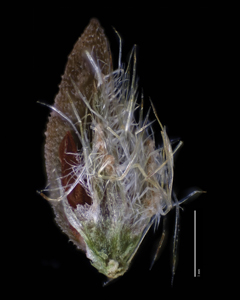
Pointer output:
60, 136
80, 71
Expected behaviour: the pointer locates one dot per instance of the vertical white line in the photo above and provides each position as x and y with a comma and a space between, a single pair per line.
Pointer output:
195, 244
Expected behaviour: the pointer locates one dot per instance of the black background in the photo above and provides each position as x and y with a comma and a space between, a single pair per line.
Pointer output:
175, 70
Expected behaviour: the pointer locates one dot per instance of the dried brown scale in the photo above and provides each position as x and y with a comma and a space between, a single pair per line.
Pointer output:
80, 71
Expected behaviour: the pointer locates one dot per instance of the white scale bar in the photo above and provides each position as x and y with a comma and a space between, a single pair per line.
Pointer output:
195, 244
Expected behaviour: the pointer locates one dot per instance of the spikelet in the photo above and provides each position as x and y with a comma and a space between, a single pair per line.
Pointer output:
108, 183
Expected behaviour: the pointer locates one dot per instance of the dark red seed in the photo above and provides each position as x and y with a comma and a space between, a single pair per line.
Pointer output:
68, 158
